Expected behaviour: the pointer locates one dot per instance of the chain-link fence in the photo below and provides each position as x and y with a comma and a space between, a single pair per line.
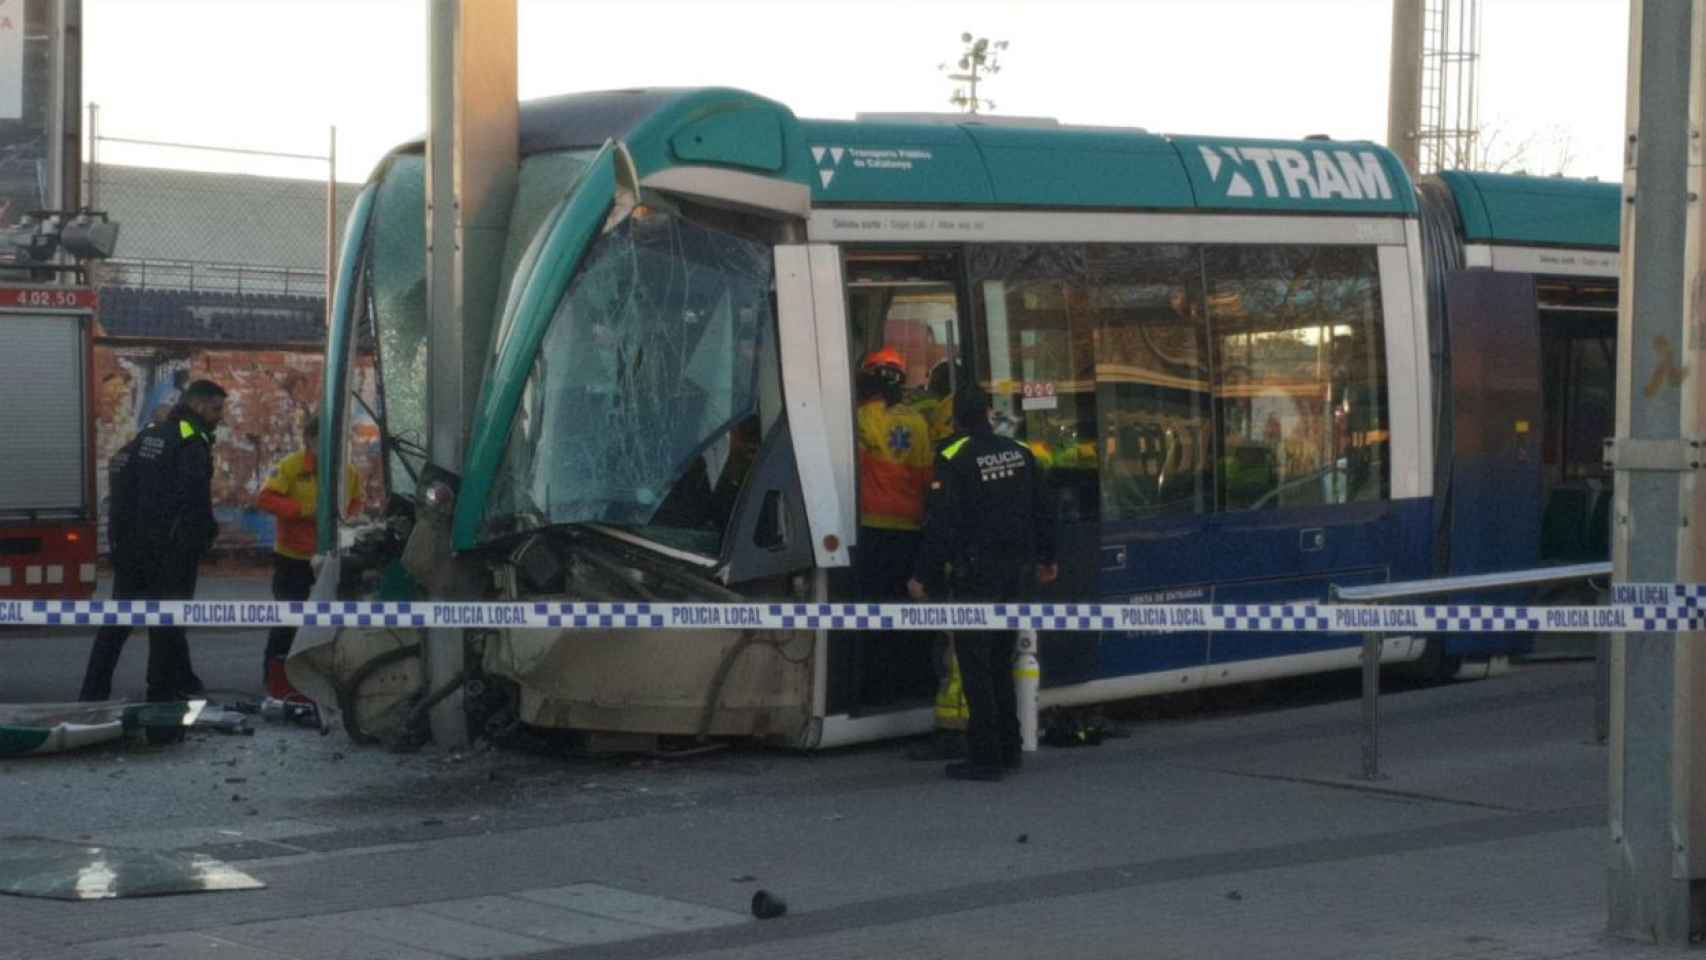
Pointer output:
220, 274
233, 253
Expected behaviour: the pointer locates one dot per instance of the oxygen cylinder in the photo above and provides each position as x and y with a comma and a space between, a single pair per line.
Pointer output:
1027, 678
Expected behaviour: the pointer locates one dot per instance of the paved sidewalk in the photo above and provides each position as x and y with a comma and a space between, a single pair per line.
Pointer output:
1225, 835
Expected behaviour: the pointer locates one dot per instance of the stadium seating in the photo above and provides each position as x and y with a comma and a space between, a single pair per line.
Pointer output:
215, 316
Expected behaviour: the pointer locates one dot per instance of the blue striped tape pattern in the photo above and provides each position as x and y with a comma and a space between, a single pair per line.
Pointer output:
1684, 609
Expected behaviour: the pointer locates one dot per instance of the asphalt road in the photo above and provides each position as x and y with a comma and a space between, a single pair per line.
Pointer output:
1229, 824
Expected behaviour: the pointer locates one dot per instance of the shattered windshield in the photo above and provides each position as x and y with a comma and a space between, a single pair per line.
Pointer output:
397, 285
640, 409
546, 182
397, 308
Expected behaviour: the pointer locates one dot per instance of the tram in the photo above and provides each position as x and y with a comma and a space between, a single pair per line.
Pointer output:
1253, 369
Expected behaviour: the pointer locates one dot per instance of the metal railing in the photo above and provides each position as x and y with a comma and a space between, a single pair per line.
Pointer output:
1415, 589
211, 277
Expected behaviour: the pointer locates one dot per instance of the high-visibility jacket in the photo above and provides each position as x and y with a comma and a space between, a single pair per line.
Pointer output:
938, 412
952, 712
894, 466
169, 481
292, 495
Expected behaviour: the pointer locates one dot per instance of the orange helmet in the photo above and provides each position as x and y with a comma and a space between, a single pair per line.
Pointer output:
886, 363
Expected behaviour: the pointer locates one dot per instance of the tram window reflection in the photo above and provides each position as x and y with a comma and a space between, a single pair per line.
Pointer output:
1034, 305
1152, 381
1300, 375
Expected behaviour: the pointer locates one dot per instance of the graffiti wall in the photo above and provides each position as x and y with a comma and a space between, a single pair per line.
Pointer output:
270, 392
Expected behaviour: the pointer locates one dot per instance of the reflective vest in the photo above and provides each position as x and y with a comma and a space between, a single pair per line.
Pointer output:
952, 712
292, 494
938, 412
895, 460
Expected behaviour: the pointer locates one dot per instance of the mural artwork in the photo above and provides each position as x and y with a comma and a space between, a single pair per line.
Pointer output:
270, 392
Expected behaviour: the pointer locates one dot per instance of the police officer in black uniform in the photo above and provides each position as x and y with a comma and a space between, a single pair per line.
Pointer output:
128, 581
987, 521
166, 491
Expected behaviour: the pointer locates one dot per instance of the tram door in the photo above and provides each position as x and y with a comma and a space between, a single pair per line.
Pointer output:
908, 301
1578, 385
1495, 465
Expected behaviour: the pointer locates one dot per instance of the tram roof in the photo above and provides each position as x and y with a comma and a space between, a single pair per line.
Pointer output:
1536, 211
972, 163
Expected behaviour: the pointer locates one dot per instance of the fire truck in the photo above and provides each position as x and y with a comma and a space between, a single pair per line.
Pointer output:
48, 503
48, 506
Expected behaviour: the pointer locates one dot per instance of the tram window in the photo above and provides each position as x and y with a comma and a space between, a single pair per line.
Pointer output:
642, 408
1580, 383
1593, 407
1152, 381
1300, 375
396, 302
545, 181
1036, 357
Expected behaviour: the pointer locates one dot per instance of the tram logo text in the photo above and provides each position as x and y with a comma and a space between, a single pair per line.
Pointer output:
1286, 172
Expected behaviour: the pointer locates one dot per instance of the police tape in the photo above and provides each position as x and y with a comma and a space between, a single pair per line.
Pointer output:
1652, 608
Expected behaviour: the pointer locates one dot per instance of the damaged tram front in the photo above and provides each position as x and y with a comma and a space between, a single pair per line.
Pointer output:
631, 441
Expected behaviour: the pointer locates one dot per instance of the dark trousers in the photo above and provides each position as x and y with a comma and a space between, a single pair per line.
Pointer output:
892, 664
170, 675
986, 670
292, 579
986, 674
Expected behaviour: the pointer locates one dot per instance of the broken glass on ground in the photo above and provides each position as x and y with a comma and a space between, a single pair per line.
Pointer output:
57, 870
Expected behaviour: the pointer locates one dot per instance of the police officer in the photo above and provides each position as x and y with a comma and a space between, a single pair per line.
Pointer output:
128, 578
987, 522
162, 505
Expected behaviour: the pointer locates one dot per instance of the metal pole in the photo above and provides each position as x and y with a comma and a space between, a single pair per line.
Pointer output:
1656, 796
68, 103
55, 194
94, 155
1404, 85
472, 145
1473, 135
1602, 688
1371, 706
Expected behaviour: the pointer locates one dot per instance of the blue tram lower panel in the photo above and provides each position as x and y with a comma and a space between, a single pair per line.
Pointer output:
1272, 557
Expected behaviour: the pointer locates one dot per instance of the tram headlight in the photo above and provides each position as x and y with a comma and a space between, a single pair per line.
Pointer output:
440, 497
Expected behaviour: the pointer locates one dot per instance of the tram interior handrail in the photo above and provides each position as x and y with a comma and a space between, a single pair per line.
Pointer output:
1479, 581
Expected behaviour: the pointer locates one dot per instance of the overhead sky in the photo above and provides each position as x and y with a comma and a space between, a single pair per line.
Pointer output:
274, 74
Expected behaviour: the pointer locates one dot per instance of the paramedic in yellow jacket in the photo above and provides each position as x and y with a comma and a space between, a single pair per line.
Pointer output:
895, 457
291, 495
